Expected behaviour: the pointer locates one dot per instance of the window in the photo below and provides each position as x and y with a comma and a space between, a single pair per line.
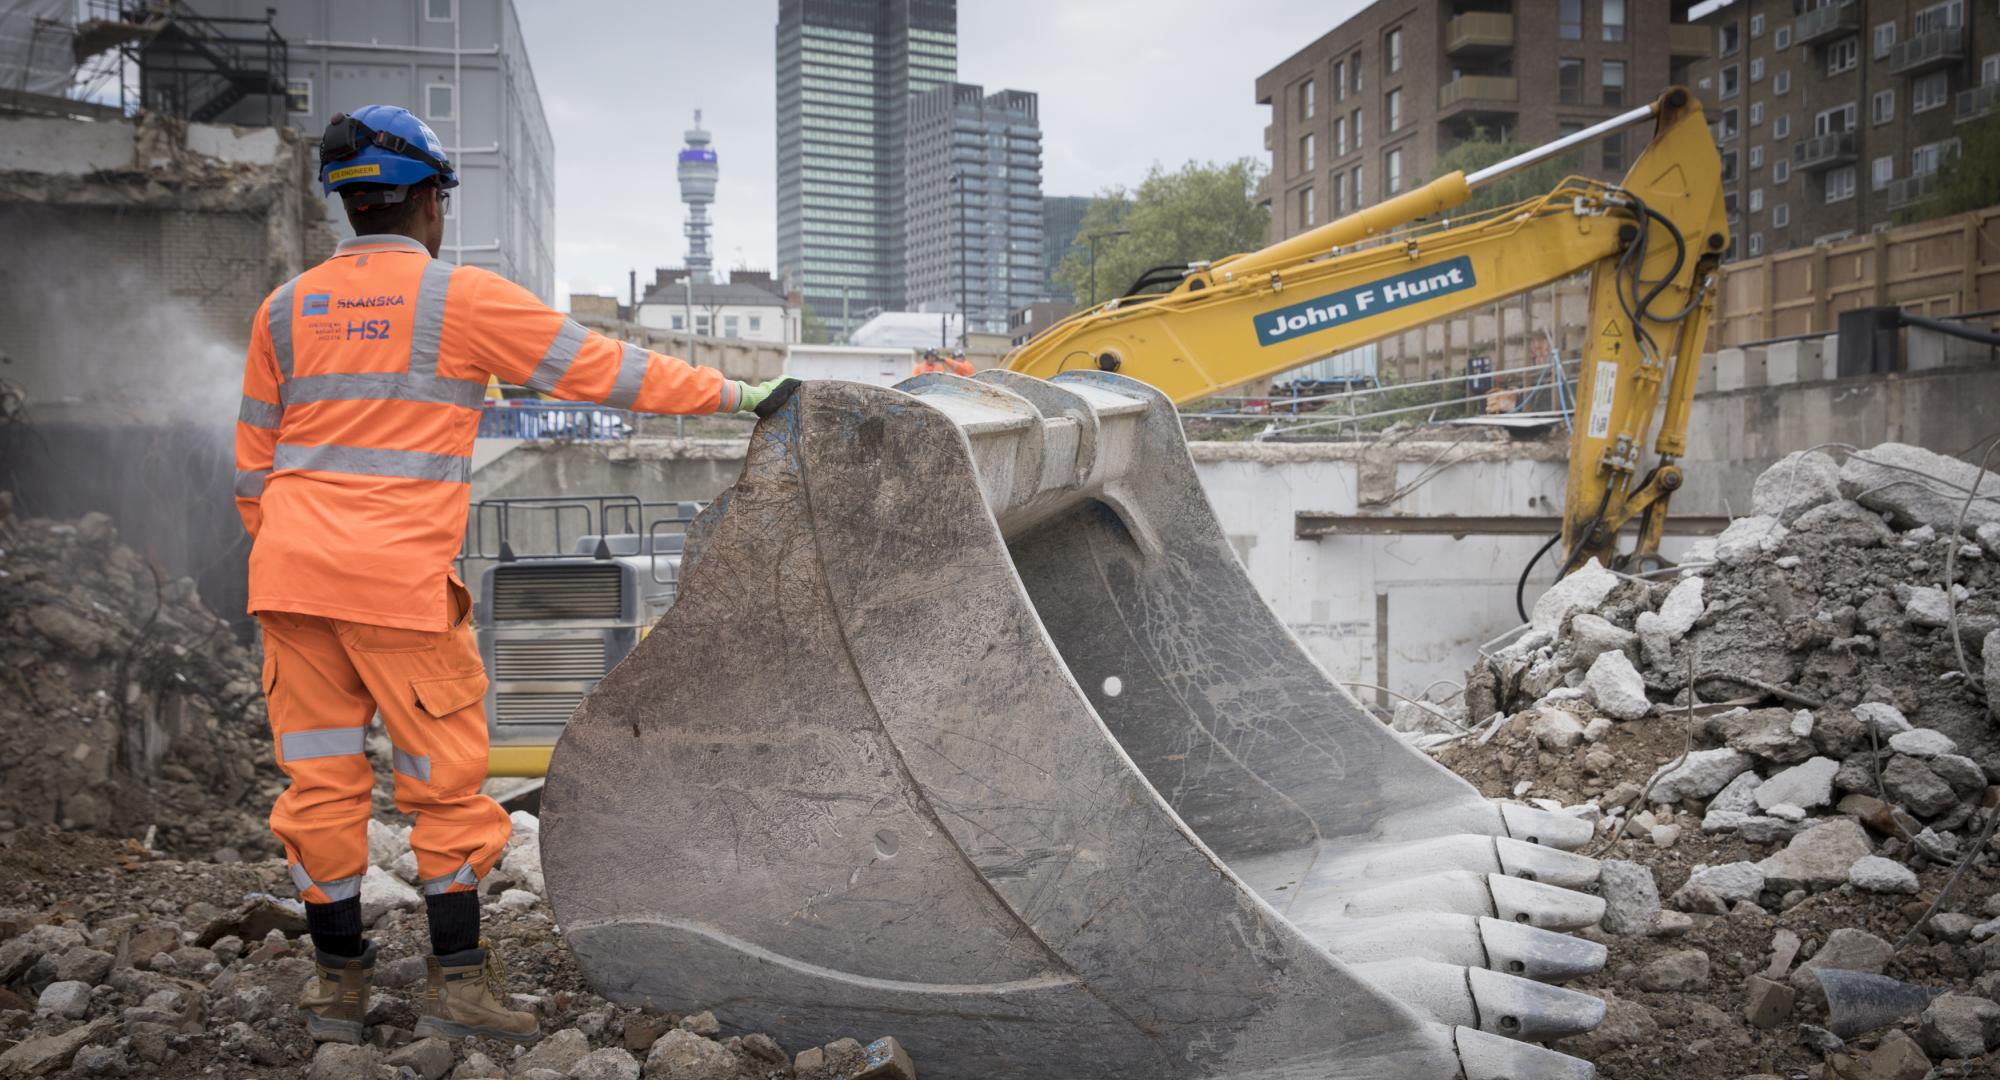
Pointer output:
1781, 38
701, 325
1392, 49
1340, 193
1392, 111
1930, 91
1729, 166
440, 10
1308, 208
440, 101
1614, 82
1732, 81
1840, 184
1880, 172
756, 323
1569, 20
1842, 55
1569, 82
1757, 157
1307, 102
1756, 200
1884, 38
1756, 244
1882, 107
1354, 65
1306, 153
1756, 113
1938, 17
299, 95
1756, 26
1355, 117
1359, 198
1989, 70
1725, 125
1730, 40
1339, 135
1781, 126
1340, 80
1614, 153
1392, 171
729, 324
1614, 20
1837, 119
1781, 170
1781, 216
1926, 159
1781, 82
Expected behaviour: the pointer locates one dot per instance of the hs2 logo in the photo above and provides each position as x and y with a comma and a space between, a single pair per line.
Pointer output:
367, 329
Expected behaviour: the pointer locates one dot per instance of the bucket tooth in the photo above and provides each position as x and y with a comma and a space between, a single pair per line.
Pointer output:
1465, 940
1534, 953
1536, 826
1548, 865
967, 724
1492, 1002
1485, 854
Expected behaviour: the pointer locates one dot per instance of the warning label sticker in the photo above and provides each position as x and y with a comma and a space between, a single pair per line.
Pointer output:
1603, 390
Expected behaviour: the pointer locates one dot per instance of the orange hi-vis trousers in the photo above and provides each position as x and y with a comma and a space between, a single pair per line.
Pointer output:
324, 680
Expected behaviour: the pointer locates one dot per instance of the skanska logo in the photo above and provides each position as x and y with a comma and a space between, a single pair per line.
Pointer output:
346, 303
315, 303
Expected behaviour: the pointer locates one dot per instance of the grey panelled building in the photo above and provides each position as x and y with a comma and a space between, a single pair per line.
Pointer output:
1367, 110
1834, 117
974, 213
846, 70
1062, 219
463, 67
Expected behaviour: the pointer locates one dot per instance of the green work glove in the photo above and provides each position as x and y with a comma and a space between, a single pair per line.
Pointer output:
765, 398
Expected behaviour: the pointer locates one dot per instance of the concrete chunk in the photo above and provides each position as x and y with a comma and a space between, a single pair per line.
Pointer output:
1704, 773
1800, 481
1918, 487
1817, 858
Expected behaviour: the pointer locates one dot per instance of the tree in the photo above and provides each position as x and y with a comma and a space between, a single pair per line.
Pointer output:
1481, 149
811, 330
1203, 211
1969, 179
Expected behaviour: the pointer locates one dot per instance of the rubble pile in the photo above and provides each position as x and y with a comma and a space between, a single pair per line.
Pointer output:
160, 967
130, 710
1786, 760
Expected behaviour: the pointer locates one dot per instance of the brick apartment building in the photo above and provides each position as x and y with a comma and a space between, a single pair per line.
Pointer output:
1367, 110
1833, 117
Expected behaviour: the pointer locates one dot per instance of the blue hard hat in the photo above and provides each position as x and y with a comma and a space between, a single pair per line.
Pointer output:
381, 144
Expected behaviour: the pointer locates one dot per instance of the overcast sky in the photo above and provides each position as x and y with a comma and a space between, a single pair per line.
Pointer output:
1123, 84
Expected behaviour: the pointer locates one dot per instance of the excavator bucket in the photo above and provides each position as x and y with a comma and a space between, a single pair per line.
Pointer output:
968, 726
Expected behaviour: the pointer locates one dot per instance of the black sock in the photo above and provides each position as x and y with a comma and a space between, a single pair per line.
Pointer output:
454, 921
336, 927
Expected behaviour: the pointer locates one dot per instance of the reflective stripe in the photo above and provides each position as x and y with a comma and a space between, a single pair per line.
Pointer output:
260, 414
366, 461
732, 396
338, 889
427, 320
281, 326
325, 742
383, 386
631, 374
414, 766
461, 876
250, 482
555, 363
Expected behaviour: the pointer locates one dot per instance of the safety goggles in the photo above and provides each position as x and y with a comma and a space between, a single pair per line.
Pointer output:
346, 137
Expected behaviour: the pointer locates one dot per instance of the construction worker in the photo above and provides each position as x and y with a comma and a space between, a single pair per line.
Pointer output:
957, 364
927, 363
361, 396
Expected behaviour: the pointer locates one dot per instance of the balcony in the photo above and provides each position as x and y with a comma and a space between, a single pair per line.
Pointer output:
1911, 190
1479, 31
1977, 102
1824, 151
1270, 137
1826, 22
1472, 90
1686, 41
1928, 50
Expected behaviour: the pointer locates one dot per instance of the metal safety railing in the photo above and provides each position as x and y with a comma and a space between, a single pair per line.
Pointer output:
557, 420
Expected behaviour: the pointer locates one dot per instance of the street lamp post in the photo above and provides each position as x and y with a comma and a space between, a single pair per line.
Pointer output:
1092, 240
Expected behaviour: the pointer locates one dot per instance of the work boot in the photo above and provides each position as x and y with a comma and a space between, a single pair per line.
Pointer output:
462, 996
335, 1004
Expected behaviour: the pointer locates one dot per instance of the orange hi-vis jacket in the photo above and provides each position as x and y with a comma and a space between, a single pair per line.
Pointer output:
362, 393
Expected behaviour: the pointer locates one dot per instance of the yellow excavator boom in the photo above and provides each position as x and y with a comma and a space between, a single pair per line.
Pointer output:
1652, 243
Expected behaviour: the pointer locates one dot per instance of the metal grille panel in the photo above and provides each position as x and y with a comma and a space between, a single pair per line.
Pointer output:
534, 661
538, 708
557, 592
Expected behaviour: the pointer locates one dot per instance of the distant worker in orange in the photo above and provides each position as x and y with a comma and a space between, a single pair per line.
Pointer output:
928, 362
957, 364
361, 397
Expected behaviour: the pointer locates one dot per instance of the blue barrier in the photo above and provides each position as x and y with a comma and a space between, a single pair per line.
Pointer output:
560, 420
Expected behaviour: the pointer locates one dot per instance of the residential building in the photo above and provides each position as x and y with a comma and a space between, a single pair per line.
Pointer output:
845, 71
1062, 219
747, 307
1834, 119
1366, 111
461, 65
973, 218
1025, 323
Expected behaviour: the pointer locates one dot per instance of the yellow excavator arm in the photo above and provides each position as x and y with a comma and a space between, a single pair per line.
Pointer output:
1652, 243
